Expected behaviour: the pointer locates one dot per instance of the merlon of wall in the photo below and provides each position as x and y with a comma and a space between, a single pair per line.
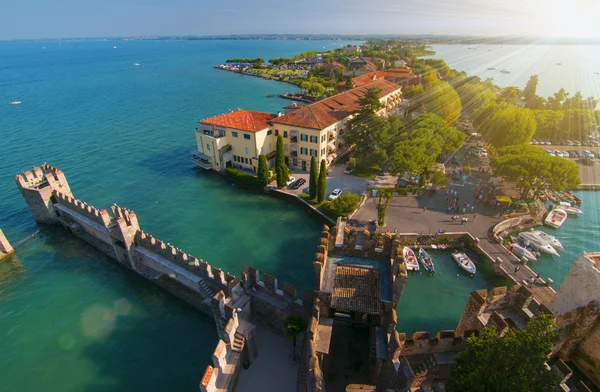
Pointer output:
128, 216
101, 217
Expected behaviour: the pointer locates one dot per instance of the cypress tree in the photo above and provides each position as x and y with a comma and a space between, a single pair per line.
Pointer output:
314, 173
263, 170
322, 185
280, 168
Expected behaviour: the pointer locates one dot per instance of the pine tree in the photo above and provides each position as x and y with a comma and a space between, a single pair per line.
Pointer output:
314, 174
263, 170
322, 185
280, 168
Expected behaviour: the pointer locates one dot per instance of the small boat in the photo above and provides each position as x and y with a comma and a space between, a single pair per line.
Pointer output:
137, 64
464, 262
491, 69
552, 240
521, 251
538, 243
410, 259
551, 196
425, 259
556, 218
571, 196
505, 71
15, 103
564, 205
558, 63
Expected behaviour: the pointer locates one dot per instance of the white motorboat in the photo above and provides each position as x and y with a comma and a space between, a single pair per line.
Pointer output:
564, 205
464, 262
556, 218
522, 252
410, 259
425, 259
537, 243
552, 240
15, 103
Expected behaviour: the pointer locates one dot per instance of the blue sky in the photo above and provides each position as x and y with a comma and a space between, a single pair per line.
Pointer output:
93, 18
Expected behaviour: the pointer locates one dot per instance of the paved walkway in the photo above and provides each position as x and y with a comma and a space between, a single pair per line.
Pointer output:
272, 369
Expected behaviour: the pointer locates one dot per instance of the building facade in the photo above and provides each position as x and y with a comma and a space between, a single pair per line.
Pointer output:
236, 139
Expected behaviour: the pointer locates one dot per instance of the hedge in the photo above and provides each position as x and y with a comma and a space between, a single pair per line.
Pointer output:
398, 191
243, 179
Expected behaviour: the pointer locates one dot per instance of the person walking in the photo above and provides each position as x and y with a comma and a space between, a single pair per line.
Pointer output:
424, 208
474, 217
517, 268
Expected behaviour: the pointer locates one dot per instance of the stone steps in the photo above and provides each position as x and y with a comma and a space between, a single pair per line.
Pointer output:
206, 289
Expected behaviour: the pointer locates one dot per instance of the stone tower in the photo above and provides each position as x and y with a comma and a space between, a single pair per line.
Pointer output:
37, 188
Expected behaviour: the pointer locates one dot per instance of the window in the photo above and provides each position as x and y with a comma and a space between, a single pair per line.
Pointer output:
234, 134
208, 147
303, 151
285, 148
247, 137
246, 150
303, 137
322, 151
314, 139
313, 153
277, 132
246, 160
285, 134
269, 132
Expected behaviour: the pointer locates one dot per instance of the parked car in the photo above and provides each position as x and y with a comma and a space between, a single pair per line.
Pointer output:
290, 180
588, 154
348, 170
456, 174
573, 154
335, 194
551, 153
576, 143
547, 142
570, 143
298, 183
533, 141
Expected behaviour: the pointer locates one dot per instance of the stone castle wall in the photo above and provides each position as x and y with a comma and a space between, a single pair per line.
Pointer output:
5, 247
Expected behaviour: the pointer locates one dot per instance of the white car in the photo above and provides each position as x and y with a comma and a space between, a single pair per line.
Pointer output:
482, 153
290, 181
335, 194
588, 154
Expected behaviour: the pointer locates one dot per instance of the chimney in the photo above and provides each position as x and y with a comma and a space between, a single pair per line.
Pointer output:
279, 114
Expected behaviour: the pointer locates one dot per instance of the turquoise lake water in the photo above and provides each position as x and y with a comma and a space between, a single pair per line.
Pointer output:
70, 319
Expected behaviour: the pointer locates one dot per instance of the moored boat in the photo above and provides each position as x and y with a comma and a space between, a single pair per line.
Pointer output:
521, 251
464, 262
538, 243
569, 208
552, 240
556, 218
551, 197
15, 103
575, 199
425, 259
410, 259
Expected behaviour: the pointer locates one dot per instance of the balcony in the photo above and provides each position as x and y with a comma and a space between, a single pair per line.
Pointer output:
294, 153
202, 161
294, 139
214, 134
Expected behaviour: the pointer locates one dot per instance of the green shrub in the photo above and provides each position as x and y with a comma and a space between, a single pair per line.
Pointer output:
243, 179
346, 203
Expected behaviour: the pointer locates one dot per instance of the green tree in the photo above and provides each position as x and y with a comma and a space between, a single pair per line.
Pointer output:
509, 125
349, 84
513, 362
530, 93
411, 91
429, 78
510, 95
322, 182
475, 95
549, 124
314, 174
346, 203
281, 170
438, 178
352, 163
382, 200
294, 325
533, 169
317, 89
443, 100
263, 170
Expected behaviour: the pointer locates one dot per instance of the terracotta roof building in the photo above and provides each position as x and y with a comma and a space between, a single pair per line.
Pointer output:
402, 76
367, 78
245, 120
356, 289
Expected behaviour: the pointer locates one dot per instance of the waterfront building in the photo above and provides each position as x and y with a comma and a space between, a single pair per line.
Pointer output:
236, 139
402, 76
367, 78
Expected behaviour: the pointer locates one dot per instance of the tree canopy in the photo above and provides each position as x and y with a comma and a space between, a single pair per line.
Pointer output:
346, 203
513, 362
534, 169
443, 100
509, 125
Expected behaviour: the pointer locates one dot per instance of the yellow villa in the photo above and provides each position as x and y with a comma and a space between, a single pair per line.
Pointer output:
236, 139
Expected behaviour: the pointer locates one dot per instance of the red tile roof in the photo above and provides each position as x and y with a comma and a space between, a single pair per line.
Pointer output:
366, 78
321, 114
244, 120
369, 67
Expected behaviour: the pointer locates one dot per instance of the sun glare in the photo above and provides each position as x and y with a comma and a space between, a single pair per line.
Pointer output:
577, 18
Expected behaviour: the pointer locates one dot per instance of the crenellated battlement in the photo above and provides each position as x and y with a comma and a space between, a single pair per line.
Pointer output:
128, 216
423, 343
44, 175
101, 217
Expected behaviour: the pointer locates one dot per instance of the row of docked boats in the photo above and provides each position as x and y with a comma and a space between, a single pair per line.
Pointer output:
531, 244
557, 197
412, 263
